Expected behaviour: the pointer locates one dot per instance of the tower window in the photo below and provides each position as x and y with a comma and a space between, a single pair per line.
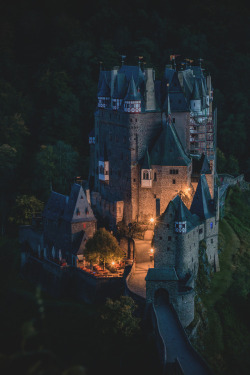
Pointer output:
211, 225
145, 175
212, 241
155, 176
174, 181
173, 120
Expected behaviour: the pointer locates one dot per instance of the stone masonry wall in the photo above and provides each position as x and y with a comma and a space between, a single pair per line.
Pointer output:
182, 126
163, 188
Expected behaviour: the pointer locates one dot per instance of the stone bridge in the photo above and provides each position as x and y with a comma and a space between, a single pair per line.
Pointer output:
176, 352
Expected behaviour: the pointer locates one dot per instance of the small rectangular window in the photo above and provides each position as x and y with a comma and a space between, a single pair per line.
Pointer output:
173, 181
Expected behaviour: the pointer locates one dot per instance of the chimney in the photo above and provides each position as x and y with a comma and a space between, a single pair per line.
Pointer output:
150, 89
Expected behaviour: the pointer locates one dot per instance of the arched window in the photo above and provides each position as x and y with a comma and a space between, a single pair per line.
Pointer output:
145, 175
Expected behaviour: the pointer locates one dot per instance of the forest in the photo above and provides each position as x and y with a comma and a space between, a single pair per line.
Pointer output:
51, 52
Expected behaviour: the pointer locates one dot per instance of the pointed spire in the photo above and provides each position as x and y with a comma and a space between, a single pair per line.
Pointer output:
180, 214
132, 93
104, 91
195, 93
168, 150
202, 202
205, 169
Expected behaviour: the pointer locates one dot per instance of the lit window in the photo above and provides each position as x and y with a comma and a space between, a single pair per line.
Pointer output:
211, 225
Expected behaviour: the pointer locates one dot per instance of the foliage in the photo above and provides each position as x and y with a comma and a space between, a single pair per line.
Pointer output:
204, 271
118, 317
224, 338
24, 209
132, 230
55, 168
102, 247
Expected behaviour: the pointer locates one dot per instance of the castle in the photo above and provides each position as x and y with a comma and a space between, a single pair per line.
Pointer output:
147, 141
153, 160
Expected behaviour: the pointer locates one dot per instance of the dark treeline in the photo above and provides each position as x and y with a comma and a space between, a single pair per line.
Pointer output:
50, 53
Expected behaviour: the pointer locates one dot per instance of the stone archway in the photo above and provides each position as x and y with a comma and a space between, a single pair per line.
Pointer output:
161, 297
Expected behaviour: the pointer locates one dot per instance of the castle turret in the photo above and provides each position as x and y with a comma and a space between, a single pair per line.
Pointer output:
150, 90
104, 94
132, 101
195, 100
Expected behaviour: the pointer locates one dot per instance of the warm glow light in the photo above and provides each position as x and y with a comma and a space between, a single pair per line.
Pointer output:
152, 219
113, 263
151, 250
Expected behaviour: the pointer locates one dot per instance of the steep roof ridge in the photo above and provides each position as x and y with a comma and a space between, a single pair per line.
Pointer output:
202, 200
132, 93
168, 149
205, 169
104, 89
55, 206
196, 92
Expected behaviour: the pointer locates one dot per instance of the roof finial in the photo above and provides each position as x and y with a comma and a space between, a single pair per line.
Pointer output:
139, 60
200, 60
123, 58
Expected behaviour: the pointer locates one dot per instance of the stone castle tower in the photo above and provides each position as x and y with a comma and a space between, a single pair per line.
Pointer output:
148, 134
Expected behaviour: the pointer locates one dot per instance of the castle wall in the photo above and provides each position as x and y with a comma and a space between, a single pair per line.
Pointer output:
184, 306
211, 229
187, 253
126, 137
163, 188
164, 241
181, 121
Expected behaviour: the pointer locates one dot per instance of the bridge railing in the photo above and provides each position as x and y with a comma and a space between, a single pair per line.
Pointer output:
162, 350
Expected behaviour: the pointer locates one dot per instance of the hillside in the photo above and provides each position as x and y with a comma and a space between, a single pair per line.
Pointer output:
223, 337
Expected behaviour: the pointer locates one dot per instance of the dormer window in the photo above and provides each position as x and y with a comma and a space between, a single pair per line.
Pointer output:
77, 211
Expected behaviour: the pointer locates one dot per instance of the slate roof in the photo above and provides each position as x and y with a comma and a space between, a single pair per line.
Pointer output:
55, 206
168, 150
196, 92
132, 71
182, 213
120, 86
178, 102
132, 93
161, 274
205, 169
104, 90
202, 204
104, 74
146, 161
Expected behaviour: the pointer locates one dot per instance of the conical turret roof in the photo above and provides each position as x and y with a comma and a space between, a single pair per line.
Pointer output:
120, 86
195, 93
132, 93
168, 150
202, 204
205, 169
104, 91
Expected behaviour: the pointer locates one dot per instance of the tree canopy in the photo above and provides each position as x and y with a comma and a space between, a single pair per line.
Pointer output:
103, 247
